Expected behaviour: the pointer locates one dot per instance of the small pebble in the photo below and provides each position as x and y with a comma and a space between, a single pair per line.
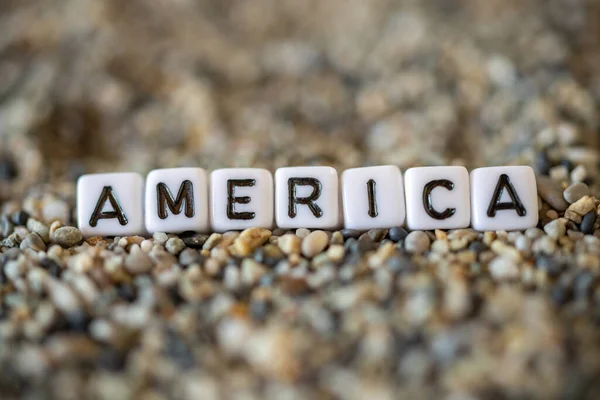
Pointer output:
160, 237
556, 228
587, 222
351, 233
579, 174
212, 241
137, 262
559, 173
7, 226
542, 163
66, 236
290, 243
19, 218
252, 271
581, 207
551, 192
38, 227
33, 241
314, 243
397, 234
502, 268
174, 245
8, 169
417, 242
575, 192
377, 235
302, 232
248, 240
195, 242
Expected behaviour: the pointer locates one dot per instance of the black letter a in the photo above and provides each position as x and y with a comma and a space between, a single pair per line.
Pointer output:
514, 204
108, 194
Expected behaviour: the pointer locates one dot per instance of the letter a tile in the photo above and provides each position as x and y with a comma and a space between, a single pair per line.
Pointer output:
503, 198
177, 200
307, 197
110, 204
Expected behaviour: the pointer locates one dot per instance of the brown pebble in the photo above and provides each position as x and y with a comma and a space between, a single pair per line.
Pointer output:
314, 243
66, 236
551, 192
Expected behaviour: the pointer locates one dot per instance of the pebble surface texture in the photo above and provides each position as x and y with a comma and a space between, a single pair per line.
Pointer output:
96, 86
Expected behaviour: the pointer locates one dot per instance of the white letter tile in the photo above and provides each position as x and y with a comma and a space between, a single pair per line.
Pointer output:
373, 197
307, 197
110, 204
437, 198
177, 200
241, 198
503, 198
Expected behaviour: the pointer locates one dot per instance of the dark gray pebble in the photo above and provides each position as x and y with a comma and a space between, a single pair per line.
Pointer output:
587, 223
127, 292
261, 257
178, 350
568, 164
6, 226
8, 170
542, 163
583, 283
560, 295
397, 233
195, 241
51, 266
111, 359
551, 265
350, 233
78, 321
19, 218
477, 247
363, 246
400, 263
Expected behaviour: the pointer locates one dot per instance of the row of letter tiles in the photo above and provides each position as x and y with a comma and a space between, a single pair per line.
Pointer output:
184, 199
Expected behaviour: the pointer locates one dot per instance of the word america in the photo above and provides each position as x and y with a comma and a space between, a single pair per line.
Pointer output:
181, 199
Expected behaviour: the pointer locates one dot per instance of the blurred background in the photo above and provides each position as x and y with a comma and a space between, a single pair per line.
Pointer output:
93, 86
132, 85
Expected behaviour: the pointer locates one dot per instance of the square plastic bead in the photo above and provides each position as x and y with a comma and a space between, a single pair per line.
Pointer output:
503, 198
437, 198
110, 204
373, 197
307, 197
177, 200
241, 198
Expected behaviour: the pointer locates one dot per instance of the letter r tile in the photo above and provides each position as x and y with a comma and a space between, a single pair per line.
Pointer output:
177, 200
241, 198
504, 198
437, 198
110, 204
307, 197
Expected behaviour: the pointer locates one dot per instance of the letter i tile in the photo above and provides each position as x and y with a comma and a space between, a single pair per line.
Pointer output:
241, 198
373, 197
177, 200
110, 204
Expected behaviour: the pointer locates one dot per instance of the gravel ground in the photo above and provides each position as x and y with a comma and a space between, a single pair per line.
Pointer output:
98, 86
